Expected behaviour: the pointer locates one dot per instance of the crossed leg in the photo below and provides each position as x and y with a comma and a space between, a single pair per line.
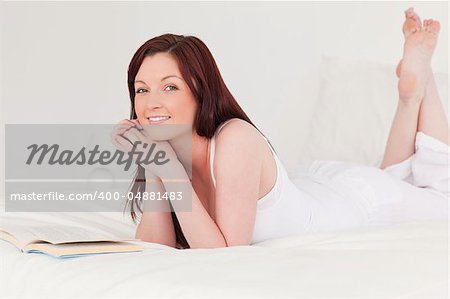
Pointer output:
432, 118
419, 107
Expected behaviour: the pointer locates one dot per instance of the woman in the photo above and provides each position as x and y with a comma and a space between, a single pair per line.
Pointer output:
241, 193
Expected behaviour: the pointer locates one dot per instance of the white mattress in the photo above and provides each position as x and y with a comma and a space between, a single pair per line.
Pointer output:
407, 260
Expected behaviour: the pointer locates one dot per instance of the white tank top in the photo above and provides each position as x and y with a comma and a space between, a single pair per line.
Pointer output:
282, 211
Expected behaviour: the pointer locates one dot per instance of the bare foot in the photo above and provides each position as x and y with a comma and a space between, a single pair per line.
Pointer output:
412, 24
420, 42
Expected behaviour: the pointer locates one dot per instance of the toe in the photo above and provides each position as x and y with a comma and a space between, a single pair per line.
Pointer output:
416, 18
426, 24
435, 26
412, 22
409, 26
409, 11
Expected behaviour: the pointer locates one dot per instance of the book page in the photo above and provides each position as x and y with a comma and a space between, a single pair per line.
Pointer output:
10, 238
83, 248
31, 232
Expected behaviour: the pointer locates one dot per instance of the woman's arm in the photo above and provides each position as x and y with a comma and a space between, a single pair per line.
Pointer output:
156, 226
198, 227
238, 169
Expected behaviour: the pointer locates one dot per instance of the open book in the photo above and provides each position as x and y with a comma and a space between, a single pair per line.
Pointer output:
63, 241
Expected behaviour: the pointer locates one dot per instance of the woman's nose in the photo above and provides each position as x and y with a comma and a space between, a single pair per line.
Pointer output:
153, 101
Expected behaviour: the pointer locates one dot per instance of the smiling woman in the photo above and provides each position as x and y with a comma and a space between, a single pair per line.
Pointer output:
173, 79
158, 97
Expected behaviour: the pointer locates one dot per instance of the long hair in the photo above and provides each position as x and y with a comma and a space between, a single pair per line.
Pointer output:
214, 101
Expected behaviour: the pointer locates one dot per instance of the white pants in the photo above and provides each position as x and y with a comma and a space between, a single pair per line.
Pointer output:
346, 195
424, 181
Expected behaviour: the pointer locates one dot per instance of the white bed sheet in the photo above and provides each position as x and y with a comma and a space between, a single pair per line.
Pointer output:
407, 260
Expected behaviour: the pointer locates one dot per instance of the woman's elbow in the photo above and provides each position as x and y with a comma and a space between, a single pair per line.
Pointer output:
163, 240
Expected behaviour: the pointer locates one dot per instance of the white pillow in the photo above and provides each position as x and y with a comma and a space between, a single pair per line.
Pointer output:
356, 105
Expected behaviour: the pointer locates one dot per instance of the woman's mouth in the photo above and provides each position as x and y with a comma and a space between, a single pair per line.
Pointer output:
155, 120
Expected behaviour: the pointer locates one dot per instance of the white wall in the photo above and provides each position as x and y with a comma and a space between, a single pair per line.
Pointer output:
66, 62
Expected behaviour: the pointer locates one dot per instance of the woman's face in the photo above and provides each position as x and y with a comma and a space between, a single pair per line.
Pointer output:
161, 91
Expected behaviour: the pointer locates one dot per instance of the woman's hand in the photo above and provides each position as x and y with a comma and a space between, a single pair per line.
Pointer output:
130, 137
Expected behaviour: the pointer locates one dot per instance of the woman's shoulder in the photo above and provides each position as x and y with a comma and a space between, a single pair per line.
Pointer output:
240, 138
233, 122
237, 130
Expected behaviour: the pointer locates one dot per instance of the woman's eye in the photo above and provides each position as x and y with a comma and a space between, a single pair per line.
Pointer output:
139, 90
172, 86
142, 90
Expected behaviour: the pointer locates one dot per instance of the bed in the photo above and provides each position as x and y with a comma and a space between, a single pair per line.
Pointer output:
406, 260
